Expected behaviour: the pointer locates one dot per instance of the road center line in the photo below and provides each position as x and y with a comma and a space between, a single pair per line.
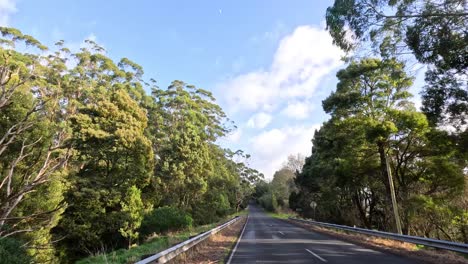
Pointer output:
238, 240
317, 256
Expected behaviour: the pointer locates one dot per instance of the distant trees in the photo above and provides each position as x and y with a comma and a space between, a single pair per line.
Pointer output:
87, 156
274, 195
294, 163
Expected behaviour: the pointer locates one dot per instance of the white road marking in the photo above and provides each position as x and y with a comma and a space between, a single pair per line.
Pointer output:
281, 233
365, 250
317, 256
237, 244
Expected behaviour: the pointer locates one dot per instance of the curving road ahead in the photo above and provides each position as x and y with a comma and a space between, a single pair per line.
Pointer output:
269, 240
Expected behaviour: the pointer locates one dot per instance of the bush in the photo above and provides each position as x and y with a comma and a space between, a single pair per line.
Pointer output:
214, 207
269, 202
12, 252
164, 219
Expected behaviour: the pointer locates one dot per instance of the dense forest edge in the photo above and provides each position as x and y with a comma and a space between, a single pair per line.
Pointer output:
377, 144
91, 163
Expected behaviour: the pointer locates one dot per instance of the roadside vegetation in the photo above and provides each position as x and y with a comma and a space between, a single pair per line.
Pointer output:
377, 144
274, 196
96, 158
153, 244
91, 163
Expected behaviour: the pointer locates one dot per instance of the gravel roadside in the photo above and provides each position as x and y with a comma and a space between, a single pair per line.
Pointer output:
215, 249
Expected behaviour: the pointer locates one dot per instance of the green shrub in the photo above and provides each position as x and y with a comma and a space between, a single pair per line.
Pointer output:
12, 252
164, 219
212, 209
269, 202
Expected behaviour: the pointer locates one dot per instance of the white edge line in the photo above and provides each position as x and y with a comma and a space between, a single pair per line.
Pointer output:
238, 240
317, 256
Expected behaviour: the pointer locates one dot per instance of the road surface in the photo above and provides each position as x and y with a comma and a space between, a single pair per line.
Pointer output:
269, 240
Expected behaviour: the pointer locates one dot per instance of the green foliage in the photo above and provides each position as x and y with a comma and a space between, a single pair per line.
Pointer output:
268, 201
433, 31
85, 152
33, 132
275, 195
260, 189
132, 209
188, 122
371, 121
282, 185
108, 135
13, 252
149, 247
48, 198
281, 215
445, 99
165, 219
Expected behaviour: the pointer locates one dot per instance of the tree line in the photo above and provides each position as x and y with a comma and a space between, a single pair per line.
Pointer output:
376, 144
90, 162
274, 195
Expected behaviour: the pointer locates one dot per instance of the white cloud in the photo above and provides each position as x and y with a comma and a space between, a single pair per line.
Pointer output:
270, 35
259, 120
302, 59
234, 137
298, 110
271, 148
7, 8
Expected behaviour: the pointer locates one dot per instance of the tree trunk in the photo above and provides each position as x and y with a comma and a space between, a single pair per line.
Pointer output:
384, 178
362, 212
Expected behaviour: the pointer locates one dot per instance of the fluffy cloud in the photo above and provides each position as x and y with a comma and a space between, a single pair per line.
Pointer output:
7, 7
259, 120
285, 90
234, 136
300, 62
271, 148
298, 110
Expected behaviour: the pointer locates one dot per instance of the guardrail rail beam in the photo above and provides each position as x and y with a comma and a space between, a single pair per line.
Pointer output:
435, 243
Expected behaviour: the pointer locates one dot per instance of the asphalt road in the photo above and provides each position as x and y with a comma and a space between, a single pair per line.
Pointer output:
269, 240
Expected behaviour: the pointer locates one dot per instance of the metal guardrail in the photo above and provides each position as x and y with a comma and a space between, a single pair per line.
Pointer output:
170, 253
448, 245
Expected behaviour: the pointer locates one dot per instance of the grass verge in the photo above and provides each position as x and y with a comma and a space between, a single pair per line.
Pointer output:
152, 246
281, 215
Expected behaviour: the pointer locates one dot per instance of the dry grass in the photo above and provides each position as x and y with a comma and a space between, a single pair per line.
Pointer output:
408, 250
214, 249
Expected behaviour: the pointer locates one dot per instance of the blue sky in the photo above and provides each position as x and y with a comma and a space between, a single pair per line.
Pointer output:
269, 63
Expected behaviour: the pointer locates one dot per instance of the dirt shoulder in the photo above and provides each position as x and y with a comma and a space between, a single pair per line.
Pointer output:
215, 249
408, 250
